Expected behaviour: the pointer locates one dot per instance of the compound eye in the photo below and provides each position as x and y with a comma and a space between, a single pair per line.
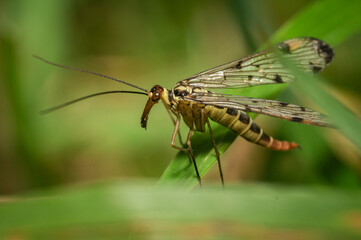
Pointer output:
153, 89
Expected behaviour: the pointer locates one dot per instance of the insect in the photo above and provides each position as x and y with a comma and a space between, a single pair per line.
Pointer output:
192, 101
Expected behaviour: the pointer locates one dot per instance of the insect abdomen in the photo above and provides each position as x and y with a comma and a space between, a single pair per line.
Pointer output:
240, 123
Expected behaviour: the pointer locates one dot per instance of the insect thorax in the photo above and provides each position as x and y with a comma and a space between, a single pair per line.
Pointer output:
190, 111
181, 90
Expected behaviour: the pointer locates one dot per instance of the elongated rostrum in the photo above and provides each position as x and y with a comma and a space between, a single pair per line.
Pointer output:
193, 101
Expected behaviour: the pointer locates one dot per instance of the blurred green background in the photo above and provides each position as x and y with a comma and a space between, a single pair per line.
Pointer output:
149, 42
146, 43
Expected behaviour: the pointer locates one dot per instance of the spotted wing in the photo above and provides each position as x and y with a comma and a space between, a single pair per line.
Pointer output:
308, 54
272, 108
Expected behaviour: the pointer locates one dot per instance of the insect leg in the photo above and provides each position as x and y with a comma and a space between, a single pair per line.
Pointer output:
189, 143
175, 131
188, 150
174, 122
215, 147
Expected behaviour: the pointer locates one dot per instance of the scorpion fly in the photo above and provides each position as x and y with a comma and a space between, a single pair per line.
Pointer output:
192, 100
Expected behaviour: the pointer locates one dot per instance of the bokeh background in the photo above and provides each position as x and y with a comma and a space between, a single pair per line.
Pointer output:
79, 172
147, 43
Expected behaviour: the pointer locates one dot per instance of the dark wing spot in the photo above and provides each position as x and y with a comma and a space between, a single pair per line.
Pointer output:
247, 109
250, 77
303, 109
284, 47
325, 48
316, 69
244, 118
278, 79
284, 104
232, 111
254, 101
297, 119
219, 107
239, 65
254, 128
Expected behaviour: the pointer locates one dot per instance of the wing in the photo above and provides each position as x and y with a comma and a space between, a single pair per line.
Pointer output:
272, 108
308, 54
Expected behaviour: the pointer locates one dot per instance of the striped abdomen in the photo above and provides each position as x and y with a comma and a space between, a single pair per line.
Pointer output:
240, 123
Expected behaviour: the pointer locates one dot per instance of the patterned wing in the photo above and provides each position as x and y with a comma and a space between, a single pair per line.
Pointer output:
272, 108
308, 54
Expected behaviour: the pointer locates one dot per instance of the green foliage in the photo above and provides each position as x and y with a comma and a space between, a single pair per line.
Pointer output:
121, 209
160, 42
340, 117
349, 22
330, 20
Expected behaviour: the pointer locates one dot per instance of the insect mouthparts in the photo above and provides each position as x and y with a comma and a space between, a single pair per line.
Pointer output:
147, 108
191, 101
143, 122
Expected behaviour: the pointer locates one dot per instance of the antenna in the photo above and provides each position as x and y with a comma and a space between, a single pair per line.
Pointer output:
83, 98
87, 71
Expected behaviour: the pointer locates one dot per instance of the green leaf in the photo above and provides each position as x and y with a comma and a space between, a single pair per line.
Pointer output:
332, 21
312, 87
22, 34
118, 210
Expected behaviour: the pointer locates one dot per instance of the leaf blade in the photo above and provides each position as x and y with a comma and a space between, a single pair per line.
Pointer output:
303, 24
